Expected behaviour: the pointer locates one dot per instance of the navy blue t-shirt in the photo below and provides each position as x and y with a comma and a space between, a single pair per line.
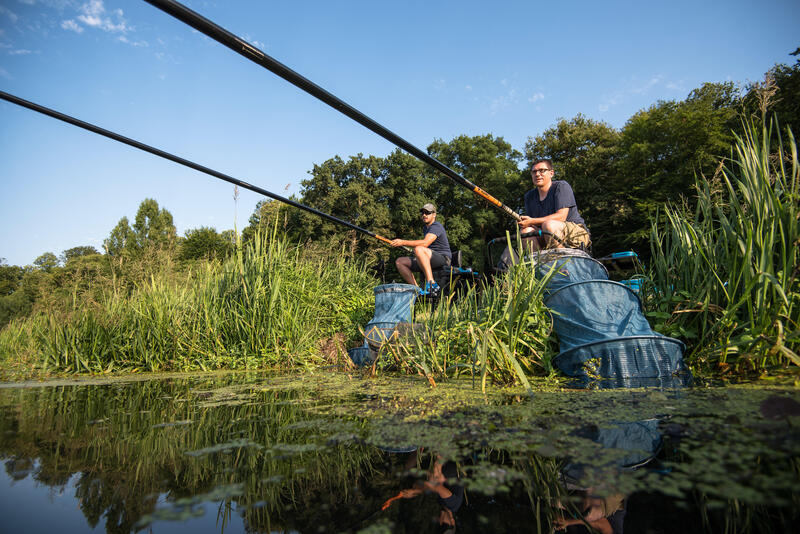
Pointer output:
559, 196
440, 244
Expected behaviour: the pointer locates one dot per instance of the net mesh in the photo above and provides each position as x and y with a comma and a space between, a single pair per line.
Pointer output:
393, 304
601, 328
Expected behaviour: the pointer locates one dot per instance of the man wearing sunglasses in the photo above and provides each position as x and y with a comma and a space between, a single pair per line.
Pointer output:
431, 252
551, 207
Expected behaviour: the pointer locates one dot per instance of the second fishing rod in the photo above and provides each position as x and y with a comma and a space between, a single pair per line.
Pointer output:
185, 162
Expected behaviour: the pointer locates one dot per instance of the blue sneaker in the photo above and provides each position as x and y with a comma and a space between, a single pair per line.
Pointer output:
432, 290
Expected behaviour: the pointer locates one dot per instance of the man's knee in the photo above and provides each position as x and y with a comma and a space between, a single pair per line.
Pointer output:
403, 261
554, 227
422, 252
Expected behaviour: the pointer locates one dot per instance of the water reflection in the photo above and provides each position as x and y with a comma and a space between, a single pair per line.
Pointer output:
440, 481
249, 453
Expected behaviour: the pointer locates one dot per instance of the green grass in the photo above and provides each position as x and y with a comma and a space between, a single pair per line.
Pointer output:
725, 276
270, 306
496, 333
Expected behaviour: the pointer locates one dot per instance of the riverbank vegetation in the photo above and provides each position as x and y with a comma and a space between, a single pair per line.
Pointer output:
725, 274
704, 191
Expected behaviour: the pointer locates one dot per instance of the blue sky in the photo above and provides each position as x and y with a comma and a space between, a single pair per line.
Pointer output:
425, 70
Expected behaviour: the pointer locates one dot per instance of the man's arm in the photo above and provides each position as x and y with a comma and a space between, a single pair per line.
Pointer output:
527, 222
425, 241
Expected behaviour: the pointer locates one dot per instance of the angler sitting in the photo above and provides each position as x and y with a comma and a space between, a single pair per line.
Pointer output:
550, 207
431, 252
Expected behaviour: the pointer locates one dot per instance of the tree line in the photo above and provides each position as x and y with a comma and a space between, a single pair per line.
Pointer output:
620, 177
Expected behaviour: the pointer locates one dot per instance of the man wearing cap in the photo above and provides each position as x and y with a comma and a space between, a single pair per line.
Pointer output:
550, 207
431, 252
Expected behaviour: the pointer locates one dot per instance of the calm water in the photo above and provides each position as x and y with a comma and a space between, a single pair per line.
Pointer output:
328, 453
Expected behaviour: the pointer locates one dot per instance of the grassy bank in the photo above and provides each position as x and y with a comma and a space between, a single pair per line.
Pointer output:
724, 278
271, 306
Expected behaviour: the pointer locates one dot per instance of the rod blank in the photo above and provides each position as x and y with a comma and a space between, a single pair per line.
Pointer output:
182, 161
238, 45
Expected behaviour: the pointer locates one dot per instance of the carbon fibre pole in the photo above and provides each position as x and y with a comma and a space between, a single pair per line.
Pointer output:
185, 162
240, 46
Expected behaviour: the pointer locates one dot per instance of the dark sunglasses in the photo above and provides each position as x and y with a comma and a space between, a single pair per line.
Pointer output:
426, 212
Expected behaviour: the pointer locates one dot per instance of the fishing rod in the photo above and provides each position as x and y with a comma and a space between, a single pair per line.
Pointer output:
166, 155
240, 46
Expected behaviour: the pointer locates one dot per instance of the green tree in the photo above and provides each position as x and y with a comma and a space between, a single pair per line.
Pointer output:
664, 147
779, 93
77, 252
46, 262
121, 239
153, 226
349, 190
10, 277
204, 243
269, 212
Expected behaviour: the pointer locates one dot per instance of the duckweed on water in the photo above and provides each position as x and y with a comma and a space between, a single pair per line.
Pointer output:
277, 447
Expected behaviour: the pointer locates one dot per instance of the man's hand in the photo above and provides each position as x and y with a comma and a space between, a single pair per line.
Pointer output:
397, 242
525, 221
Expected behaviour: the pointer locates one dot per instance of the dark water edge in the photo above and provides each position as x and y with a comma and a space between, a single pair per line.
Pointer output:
248, 452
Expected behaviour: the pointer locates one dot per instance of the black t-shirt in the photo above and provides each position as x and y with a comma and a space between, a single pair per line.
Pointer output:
559, 196
440, 244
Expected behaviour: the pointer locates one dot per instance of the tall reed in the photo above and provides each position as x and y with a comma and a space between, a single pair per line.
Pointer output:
271, 305
498, 333
726, 276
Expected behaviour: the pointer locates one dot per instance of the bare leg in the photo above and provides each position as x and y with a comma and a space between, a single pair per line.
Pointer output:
403, 265
557, 229
423, 255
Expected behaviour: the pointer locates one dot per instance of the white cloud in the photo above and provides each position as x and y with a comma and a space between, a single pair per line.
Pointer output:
20, 52
535, 97
72, 25
4, 73
440, 84
504, 101
633, 86
649, 84
8, 13
468, 87
93, 14
125, 40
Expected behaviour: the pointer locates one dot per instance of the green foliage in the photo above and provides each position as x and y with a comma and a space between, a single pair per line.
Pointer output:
669, 144
204, 243
46, 262
10, 277
492, 164
778, 94
77, 252
152, 227
725, 274
273, 306
497, 333
121, 239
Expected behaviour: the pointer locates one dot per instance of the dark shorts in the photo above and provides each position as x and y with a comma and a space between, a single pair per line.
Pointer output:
437, 262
